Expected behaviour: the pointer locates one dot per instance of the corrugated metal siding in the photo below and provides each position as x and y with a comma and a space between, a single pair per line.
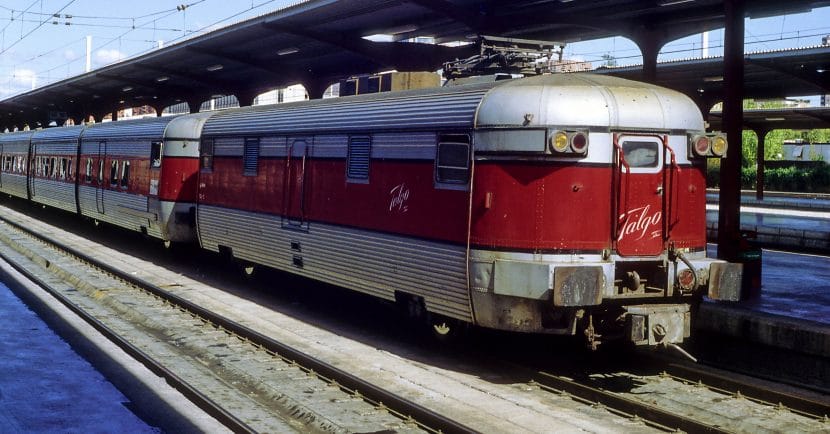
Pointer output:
22, 137
63, 147
365, 261
14, 185
431, 109
140, 128
58, 134
56, 194
113, 201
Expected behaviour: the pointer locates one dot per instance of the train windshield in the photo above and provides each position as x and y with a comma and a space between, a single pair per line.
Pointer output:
640, 154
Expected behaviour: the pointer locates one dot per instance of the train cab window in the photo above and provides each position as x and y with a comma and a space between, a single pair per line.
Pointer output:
88, 173
641, 154
250, 157
357, 166
206, 150
125, 174
114, 173
452, 165
155, 155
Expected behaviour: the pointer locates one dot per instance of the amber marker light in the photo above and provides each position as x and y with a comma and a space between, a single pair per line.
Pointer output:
719, 146
559, 142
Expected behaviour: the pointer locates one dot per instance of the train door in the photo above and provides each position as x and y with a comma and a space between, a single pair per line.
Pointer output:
35, 169
295, 182
639, 175
99, 186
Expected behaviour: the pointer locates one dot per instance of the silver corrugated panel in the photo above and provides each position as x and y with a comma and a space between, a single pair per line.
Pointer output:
57, 194
14, 185
140, 128
365, 261
16, 137
425, 109
114, 205
55, 147
127, 147
58, 134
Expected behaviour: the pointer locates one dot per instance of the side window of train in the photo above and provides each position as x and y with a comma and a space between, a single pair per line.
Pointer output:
155, 155
357, 159
100, 180
452, 162
125, 174
62, 173
114, 173
206, 155
250, 156
88, 173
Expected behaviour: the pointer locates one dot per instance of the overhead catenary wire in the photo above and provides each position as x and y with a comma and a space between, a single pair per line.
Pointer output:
5, 49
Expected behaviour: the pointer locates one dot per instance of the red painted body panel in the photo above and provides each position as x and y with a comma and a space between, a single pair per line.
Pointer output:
532, 206
400, 197
178, 181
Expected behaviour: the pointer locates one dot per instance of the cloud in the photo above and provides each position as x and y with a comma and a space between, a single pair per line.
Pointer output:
70, 54
23, 77
105, 57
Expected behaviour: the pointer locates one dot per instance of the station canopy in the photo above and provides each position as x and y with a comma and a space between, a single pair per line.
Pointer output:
318, 42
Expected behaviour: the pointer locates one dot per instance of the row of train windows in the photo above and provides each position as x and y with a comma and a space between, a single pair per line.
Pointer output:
53, 167
122, 181
452, 161
14, 163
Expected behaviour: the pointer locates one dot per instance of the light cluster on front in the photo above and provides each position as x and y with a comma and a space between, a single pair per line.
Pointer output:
708, 145
569, 143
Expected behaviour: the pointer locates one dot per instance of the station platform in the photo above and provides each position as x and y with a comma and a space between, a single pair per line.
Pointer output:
798, 223
792, 311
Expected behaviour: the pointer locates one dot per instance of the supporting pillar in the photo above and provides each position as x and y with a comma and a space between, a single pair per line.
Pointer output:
158, 108
246, 99
194, 106
315, 89
759, 162
114, 115
649, 47
729, 217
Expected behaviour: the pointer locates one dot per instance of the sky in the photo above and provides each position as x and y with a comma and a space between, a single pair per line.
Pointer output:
38, 48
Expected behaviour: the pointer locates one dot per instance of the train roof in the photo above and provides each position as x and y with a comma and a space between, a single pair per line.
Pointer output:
57, 134
137, 128
558, 99
16, 137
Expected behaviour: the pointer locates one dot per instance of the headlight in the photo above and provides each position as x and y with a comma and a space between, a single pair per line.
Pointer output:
701, 145
559, 142
579, 143
719, 146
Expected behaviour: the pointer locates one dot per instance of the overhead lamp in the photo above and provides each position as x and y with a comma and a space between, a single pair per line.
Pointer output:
713, 79
121, 101
215, 67
126, 88
287, 51
673, 2
775, 119
162, 79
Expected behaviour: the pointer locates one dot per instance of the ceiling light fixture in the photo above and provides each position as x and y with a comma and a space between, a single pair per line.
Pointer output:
215, 67
287, 51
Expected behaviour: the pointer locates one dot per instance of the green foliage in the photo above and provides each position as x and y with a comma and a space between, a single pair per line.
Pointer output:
814, 179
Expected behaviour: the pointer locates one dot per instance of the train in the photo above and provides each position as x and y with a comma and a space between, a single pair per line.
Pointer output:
570, 204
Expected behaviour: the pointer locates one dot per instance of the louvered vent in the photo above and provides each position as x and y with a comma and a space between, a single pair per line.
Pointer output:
250, 157
360, 149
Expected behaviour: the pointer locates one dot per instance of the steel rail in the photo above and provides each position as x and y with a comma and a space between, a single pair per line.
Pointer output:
199, 399
402, 407
650, 414
803, 405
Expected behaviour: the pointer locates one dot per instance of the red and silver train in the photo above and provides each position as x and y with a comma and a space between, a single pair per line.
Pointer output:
565, 204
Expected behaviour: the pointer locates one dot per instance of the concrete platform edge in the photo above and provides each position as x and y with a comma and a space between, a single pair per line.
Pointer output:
777, 331
151, 397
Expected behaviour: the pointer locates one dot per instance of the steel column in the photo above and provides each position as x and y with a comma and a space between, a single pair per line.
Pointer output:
729, 217
759, 171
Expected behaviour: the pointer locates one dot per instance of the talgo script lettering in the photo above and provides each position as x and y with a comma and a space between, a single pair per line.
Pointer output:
640, 221
399, 194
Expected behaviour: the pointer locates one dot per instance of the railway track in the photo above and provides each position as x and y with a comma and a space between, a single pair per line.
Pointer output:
233, 373
689, 398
